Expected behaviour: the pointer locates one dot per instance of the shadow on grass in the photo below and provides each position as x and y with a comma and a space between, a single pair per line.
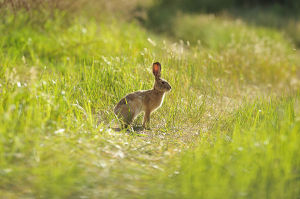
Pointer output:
134, 129
271, 16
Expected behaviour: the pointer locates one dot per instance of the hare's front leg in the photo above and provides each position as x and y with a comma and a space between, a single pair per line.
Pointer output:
146, 122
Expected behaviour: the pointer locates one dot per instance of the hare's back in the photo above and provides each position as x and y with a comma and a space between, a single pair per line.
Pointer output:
135, 98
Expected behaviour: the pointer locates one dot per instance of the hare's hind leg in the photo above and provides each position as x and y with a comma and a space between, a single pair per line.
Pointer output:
128, 110
125, 115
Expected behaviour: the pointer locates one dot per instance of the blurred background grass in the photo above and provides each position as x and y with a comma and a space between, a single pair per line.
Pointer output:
65, 64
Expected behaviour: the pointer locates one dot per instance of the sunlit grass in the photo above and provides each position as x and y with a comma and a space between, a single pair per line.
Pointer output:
253, 154
59, 82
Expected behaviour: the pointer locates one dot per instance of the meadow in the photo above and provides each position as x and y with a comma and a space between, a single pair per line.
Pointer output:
228, 129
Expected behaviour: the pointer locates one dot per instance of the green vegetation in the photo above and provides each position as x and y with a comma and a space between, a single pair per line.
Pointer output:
270, 14
252, 154
229, 127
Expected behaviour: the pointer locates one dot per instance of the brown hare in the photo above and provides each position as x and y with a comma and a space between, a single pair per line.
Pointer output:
146, 101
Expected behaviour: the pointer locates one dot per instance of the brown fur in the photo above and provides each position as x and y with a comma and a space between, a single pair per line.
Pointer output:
147, 101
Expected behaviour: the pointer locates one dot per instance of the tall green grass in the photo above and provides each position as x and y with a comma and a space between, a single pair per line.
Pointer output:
243, 53
252, 154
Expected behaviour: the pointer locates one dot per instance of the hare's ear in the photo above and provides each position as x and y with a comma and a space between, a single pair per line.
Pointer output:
156, 69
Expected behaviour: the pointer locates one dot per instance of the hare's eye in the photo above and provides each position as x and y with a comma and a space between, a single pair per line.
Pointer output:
163, 82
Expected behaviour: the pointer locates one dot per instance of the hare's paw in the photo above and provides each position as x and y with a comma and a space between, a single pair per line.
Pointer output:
146, 127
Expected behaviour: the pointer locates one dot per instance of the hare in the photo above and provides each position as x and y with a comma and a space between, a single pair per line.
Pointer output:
146, 101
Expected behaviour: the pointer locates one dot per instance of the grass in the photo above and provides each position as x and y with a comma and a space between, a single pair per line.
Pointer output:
251, 154
59, 82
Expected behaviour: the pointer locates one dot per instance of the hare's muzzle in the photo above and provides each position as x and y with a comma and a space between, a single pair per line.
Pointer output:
169, 88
